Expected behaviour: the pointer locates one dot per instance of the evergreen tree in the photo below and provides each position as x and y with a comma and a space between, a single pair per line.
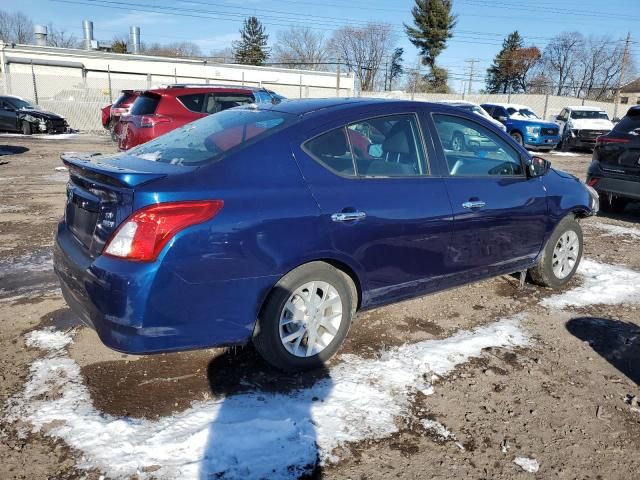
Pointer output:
509, 70
434, 25
251, 49
396, 69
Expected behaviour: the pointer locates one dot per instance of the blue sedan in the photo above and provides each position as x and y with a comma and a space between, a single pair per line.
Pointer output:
275, 224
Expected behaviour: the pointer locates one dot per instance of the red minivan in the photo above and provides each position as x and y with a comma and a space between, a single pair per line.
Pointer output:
158, 111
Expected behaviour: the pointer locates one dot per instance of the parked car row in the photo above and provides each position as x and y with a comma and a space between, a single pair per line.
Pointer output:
139, 116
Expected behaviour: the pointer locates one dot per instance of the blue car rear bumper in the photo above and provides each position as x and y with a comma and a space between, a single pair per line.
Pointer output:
141, 308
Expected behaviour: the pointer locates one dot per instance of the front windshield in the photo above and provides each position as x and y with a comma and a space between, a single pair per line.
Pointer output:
209, 138
20, 104
589, 115
522, 113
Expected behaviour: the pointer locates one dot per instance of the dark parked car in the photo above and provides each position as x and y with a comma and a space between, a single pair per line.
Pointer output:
156, 112
615, 169
276, 223
18, 115
111, 113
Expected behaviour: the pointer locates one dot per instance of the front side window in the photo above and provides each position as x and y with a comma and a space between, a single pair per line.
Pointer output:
473, 150
388, 146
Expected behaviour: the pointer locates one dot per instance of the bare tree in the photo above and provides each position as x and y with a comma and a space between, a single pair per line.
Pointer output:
363, 50
600, 65
301, 47
223, 55
60, 38
15, 27
175, 49
562, 59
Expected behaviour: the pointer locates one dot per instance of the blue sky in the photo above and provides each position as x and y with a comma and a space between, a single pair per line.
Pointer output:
213, 24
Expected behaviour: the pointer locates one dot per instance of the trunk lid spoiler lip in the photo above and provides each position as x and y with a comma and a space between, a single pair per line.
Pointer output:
121, 171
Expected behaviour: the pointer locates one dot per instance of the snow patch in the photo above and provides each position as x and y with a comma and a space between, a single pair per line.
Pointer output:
602, 284
57, 136
558, 153
617, 230
248, 435
151, 156
48, 339
530, 465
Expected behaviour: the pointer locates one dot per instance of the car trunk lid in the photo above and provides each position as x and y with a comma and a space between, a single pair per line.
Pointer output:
100, 194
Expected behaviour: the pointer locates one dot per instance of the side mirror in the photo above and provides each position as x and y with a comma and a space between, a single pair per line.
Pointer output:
502, 119
538, 167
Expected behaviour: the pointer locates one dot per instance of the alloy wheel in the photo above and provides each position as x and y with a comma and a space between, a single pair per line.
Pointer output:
565, 254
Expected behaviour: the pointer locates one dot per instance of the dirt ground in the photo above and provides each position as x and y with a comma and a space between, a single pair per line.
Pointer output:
561, 400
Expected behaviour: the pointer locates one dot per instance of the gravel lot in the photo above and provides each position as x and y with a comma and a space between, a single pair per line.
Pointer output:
558, 388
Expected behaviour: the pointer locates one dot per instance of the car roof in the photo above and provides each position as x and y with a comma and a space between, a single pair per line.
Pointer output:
457, 102
309, 105
585, 108
15, 97
180, 90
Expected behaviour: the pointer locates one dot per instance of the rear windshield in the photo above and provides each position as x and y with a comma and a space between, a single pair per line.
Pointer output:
589, 114
145, 105
209, 138
124, 97
628, 124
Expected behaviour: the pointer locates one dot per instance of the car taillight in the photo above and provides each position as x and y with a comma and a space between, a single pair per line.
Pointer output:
593, 182
603, 140
145, 233
153, 120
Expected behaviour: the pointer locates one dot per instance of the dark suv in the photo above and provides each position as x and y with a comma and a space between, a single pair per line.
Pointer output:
156, 112
615, 169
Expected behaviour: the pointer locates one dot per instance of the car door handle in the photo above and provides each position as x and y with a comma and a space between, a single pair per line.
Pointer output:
474, 204
347, 216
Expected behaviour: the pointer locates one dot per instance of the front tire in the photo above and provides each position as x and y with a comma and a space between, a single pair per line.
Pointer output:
457, 142
561, 255
306, 317
518, 138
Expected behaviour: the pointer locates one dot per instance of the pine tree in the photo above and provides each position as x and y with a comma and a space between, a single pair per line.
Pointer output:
510, 67
396, 70
251, 49
434, 25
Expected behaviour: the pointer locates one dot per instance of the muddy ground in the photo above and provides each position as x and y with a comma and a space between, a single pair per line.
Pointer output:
560, 400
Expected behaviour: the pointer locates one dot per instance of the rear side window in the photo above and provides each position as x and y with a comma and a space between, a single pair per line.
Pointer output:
628, 124
192, 102
210, 138
217, 102
387, 146
145, 105
331, 149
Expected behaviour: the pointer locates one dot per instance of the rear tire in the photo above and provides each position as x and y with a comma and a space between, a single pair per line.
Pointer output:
518, 138
561, 255
457, 142
306, 317
26, 128
612, 204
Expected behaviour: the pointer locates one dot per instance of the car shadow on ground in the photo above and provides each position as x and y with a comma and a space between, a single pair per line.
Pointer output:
615, 340
264, 427
12, 150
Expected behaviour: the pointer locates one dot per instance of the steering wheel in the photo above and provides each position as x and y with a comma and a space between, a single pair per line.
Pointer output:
505, 168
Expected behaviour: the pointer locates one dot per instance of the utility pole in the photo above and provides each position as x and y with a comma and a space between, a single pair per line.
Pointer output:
472, 63
623, 66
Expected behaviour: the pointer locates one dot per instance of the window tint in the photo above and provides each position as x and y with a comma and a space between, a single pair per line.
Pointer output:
209, 138
332, 150
488, 108
472, 150
628, 124
145, 105
124, 97
218, 102
387, 146
193, 101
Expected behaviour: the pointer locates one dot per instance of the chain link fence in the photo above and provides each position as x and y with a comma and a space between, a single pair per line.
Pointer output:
79, 94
